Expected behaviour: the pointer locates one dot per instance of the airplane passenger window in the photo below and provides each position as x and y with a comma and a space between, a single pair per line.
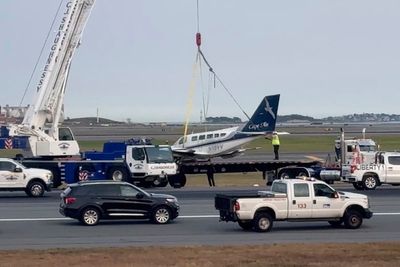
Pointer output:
216, 135
202, 137
194, 138
209, 136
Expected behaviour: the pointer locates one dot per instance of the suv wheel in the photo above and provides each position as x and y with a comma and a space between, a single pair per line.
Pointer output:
35, 189
263, 222
162, 215
90, 216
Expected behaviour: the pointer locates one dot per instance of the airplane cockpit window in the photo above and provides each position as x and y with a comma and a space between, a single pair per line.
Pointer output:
209, 136
180, 141
202, 137
216, 135
223, 134
194, 138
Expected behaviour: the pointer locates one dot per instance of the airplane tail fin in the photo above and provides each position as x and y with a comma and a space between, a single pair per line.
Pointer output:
264, 118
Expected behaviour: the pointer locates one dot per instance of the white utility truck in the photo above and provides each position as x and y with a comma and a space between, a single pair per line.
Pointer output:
385, 169
294, 200
16, 177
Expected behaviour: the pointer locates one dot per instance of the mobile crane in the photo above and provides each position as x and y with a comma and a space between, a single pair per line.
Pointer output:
41, 121
55, 148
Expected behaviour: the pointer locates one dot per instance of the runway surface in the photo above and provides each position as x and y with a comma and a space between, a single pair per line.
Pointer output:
27, 223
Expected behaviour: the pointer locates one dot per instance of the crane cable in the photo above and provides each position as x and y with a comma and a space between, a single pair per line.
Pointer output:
214, 76
211, 70
41, 52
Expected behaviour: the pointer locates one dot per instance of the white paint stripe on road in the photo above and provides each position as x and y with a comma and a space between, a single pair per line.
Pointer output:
180, 217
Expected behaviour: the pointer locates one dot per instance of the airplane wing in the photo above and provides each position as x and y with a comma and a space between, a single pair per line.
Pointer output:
237, 152
183, 152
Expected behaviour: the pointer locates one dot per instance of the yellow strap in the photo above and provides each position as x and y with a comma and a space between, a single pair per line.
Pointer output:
189, 104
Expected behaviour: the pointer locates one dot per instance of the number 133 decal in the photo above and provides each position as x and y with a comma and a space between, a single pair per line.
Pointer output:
302, 205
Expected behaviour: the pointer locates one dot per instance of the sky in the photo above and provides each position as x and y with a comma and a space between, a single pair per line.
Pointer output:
325, 58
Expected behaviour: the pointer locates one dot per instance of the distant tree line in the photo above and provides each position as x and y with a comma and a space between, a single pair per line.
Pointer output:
223, 120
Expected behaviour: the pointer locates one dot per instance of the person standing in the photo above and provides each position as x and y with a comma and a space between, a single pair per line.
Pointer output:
275, 143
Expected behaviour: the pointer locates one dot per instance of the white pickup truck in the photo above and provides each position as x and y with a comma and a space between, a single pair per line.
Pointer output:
16, 177
294, 200
384, 169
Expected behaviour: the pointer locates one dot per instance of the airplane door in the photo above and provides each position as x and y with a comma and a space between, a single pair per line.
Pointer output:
301, 203
393, 169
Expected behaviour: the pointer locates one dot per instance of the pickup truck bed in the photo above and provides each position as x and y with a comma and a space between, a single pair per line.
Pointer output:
226, 203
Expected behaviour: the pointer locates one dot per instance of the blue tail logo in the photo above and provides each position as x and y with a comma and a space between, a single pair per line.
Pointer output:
264, 118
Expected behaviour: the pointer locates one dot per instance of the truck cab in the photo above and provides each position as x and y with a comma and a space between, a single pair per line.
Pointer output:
385, 169
16, 177
294, 200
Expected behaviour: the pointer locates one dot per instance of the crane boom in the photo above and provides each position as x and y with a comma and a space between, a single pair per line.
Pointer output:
41, 120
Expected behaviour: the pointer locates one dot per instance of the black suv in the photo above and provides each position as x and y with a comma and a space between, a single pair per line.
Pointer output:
94, 200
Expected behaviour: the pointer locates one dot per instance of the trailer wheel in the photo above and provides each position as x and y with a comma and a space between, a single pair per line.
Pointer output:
178, 180
370, 182
117, 174
160, 182
284, 175
302, 174
263, 222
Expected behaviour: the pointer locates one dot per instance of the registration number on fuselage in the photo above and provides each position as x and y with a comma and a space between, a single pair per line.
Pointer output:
215, 147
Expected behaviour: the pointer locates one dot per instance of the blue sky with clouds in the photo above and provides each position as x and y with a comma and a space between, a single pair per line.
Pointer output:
136, 59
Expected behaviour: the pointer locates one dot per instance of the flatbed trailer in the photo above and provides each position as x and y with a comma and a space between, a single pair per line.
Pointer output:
268, 169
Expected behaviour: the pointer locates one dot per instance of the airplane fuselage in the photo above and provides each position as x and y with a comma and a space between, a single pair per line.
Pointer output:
213, 143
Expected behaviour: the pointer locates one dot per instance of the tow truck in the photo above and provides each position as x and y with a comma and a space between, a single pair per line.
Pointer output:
367, 175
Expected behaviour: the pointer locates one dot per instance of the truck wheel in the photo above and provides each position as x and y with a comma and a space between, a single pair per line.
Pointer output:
263, 222
178, 180
302, 174
358, 186
90, 216
160, 182
161, 215
35, 189
117, 174
352, 219
370, 182
284, 175
335, 224
246, 225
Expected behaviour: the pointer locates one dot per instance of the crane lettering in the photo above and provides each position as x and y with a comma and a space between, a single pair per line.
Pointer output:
60, 37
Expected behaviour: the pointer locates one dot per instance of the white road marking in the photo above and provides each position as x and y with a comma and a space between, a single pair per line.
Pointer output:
180, 217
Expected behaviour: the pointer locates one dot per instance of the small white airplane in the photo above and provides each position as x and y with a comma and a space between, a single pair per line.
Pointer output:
226, 143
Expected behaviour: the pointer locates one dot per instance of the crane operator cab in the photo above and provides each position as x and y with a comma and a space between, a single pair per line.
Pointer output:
65, 134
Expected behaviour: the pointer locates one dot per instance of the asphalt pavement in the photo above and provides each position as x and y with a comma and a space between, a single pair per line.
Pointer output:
27, 223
